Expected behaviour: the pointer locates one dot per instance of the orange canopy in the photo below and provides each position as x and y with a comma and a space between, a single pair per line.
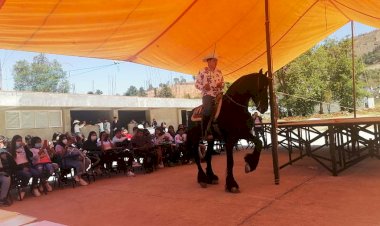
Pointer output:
177, 34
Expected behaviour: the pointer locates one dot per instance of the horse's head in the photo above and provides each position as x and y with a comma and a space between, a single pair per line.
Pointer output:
259, 93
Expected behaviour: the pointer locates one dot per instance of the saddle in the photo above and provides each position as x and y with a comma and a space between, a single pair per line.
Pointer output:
198, 111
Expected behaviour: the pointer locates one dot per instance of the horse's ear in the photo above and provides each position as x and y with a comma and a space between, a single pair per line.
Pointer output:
266, 74
261, 71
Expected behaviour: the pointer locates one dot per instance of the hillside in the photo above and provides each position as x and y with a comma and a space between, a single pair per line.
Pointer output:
366, 43
184, 90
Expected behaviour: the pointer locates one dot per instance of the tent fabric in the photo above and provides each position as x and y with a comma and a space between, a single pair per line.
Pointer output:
176, 35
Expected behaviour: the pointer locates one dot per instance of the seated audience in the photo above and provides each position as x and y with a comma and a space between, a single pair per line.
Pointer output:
24, 170
118, 140
180, 141
163, 142
94, 152
78, 140
71, 157
142, 146
41, 161
106, 146
122, 143
7, 169
134, 131
126, 134
171, 131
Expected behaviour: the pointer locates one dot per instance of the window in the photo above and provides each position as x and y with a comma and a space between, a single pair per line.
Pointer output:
27, 120
42, 119
55, 119
33, 119
12, 120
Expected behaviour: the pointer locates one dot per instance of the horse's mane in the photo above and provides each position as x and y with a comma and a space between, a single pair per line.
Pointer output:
242, 82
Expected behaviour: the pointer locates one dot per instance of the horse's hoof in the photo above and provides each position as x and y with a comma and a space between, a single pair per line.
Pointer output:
203, 185
233, 190
251, 161
247, 168
202, 179
213, 179
215, 182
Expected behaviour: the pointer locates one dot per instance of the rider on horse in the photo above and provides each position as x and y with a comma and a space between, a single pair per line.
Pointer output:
210, 81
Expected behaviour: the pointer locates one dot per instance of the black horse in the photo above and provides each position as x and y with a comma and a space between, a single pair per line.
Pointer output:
234, 123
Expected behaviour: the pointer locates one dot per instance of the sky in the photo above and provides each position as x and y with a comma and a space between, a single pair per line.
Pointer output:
115, 77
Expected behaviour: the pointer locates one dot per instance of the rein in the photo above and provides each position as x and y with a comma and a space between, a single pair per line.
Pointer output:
241, 105
232, 100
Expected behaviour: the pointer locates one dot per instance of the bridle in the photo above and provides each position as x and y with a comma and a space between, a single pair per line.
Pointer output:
257, 95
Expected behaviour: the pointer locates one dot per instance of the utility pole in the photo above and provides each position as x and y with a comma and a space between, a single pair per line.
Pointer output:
1, 77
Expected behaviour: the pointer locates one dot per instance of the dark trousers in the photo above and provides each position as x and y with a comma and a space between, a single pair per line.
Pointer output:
208, 103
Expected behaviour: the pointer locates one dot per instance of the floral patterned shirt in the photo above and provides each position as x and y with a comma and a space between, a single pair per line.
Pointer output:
213, 78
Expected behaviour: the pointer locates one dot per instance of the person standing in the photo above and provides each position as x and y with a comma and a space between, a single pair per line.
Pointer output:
115, 125
258, 127
100, 124
78, 126
107, 126
211, 83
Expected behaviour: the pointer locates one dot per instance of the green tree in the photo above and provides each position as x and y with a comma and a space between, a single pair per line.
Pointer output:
141, 92
98, 92
176, 80
41, 75
372, 57
372, 79
322, 74
296, 86
132, 91
340, 70
182, 80
165, 91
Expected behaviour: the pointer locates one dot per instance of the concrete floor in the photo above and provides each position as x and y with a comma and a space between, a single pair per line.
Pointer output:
307, 195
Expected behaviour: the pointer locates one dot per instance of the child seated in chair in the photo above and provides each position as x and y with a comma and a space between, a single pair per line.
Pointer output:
41, 160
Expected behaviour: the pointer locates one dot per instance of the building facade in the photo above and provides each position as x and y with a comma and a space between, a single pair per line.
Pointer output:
42, 114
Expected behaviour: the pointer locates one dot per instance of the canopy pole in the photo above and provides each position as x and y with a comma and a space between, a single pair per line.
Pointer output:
353, 67
273, 104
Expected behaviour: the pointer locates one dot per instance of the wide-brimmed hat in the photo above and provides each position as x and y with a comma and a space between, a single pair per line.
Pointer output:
210, 56
76, 121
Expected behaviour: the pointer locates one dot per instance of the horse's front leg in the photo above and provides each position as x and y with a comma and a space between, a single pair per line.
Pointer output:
231, 184
252, 160
212, 178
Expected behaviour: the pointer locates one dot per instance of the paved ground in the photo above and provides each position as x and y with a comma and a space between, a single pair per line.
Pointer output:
307, 195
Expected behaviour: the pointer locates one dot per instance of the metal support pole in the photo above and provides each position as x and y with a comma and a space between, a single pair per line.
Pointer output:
273, 104
353, 67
